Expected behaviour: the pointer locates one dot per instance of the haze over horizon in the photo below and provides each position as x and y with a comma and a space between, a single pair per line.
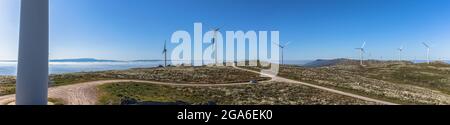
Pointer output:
319, 29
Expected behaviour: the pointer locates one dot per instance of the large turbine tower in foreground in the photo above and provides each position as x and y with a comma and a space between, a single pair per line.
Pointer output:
32, 68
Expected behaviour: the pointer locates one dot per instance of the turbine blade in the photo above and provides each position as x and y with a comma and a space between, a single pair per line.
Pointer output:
164, 50
363, 45
287, 44
426, 45
220, 27
400, 49
277, 44
215, 29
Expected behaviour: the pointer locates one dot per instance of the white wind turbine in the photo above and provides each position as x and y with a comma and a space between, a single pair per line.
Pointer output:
165, 54
214, 42
361, 53
32, 67
282, 50
400, 50
428, 51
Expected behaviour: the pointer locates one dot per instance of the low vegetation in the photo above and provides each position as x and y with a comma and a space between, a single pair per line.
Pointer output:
252, 94
56, 101
400, 82
186, 75
183, 75
7, 85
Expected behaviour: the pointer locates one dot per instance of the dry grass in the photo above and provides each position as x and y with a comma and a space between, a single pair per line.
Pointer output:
198, 75
7, 85
400, 83
253, 94
183, 75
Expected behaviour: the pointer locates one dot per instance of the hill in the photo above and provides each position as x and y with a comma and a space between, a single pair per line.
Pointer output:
82, 60
344, 62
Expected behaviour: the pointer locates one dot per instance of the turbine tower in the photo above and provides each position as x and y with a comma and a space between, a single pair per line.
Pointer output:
32, 67
214, 42
428, 51
282, 50
400, 50
165, 54
361, 53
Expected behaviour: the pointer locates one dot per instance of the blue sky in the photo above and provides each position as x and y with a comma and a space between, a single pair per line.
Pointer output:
136, 29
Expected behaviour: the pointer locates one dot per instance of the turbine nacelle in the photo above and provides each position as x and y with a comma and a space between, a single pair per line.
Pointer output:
400, 49
215, 30
165, 49
282, 48
361, 49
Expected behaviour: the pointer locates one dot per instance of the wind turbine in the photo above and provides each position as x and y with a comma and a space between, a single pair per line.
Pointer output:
282, 50
400, 50
428, 51
165, 54
216, 30
361, 53
32, 67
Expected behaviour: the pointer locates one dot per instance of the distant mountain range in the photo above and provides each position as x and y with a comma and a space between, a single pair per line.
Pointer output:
88, 60
331, 62
306, 63
8, 61
342, 61
83, 60
147, 60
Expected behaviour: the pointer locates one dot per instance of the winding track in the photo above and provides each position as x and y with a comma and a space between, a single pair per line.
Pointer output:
86, 93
